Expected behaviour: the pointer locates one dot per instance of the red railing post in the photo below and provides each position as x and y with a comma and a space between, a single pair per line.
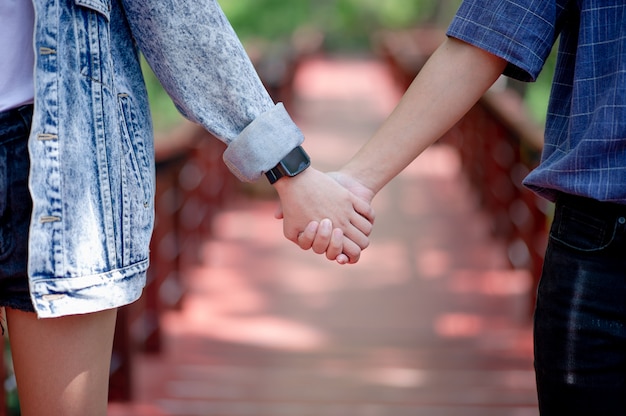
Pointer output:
191, 184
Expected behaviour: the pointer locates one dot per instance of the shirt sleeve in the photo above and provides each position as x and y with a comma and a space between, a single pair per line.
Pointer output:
201, 63
522, 32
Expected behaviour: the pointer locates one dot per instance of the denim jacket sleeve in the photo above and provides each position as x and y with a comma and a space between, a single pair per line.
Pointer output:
197, 56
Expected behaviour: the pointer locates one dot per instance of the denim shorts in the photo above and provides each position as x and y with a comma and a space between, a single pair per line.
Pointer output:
15, 208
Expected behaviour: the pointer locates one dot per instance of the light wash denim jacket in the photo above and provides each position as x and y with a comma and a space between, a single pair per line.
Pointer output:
91, 144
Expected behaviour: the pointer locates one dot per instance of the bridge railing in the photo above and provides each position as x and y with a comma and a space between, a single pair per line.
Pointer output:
192, 183
498, 143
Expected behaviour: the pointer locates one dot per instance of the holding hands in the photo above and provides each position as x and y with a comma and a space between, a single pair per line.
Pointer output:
331, 200
440, 95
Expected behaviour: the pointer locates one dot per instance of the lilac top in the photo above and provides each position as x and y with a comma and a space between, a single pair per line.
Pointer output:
16, 49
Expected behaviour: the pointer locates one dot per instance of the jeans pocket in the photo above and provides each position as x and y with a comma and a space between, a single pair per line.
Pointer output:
582, 230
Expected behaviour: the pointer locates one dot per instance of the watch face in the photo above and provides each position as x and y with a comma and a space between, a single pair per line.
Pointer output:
296, 160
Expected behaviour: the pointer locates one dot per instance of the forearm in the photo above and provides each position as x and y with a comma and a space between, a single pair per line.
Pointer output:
203, 66
450, 83
200, 61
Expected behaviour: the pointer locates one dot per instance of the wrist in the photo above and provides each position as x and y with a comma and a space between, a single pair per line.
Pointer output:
294, 163
287, 182
354, 174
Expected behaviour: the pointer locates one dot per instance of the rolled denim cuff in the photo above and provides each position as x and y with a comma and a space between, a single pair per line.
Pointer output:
262, 144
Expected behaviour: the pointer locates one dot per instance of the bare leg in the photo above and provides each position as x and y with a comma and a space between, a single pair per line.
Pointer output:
62, 364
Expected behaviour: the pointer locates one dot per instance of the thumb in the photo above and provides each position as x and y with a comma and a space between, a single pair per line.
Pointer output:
278, 213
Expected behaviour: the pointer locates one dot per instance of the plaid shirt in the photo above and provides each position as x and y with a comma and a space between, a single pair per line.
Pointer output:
585, 138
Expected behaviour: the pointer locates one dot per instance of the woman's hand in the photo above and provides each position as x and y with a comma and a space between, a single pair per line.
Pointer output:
312, 203
316, 203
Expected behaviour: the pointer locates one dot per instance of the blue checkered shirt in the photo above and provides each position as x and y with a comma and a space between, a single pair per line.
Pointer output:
585, 138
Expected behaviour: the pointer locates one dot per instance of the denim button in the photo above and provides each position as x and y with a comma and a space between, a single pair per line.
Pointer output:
621, 220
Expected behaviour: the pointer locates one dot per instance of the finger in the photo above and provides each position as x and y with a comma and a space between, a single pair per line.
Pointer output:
362, 224
357, 237
306, 237
335, 246
351, 250
323, 237
364, 209
342, 259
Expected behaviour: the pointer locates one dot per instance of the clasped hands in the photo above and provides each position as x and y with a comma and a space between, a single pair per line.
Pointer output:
329, 213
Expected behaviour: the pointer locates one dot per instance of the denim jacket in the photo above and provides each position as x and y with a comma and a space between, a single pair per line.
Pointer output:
91, 145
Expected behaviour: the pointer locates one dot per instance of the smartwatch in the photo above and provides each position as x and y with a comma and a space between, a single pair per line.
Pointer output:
295, 162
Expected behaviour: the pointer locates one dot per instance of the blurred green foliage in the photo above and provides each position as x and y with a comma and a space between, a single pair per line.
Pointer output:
345, 24
538, 92
165, 116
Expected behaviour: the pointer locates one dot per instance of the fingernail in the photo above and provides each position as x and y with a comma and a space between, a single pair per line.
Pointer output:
312, 226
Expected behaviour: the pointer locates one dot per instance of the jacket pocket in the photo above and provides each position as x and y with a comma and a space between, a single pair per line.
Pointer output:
101, 6
137, 184
137, 160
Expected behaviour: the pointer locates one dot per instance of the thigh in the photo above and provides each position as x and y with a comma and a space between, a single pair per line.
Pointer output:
580, 319
62, 364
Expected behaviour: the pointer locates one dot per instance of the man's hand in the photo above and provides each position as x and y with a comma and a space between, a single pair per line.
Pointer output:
313, 196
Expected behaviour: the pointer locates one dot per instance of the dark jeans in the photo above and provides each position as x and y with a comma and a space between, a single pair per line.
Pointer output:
15, 208
580, 318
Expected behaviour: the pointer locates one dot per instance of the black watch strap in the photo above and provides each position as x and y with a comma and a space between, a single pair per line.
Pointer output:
295, 162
